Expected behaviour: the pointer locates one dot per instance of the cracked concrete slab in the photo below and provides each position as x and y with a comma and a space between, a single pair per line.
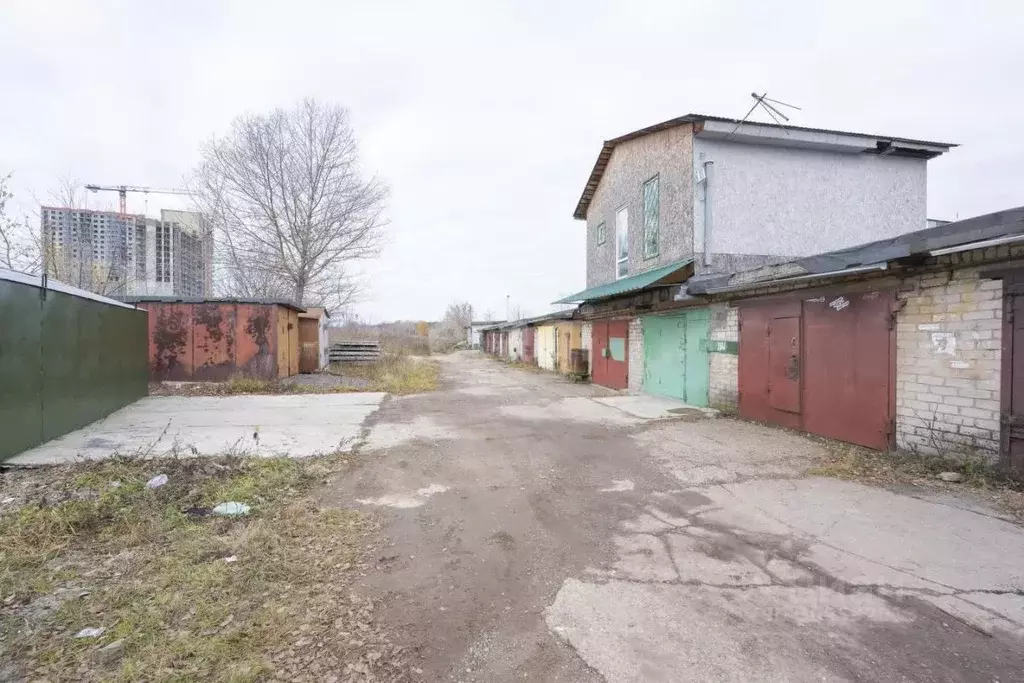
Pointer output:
297, 425
576, 409
726, 450
721, 561
668, 632
698, 561
649, 407
391, 434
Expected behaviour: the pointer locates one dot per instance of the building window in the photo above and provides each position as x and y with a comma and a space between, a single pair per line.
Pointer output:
621, 242
601, 237
651, 217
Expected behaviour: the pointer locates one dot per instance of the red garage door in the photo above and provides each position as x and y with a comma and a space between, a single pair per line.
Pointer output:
528, 345
823, 364
610, 350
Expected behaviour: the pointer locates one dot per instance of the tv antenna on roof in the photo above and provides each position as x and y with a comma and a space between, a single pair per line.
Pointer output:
768, 104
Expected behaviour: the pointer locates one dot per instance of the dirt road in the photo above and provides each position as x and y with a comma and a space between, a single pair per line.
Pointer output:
534, 533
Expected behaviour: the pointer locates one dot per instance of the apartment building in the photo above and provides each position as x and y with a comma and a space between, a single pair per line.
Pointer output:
116, 255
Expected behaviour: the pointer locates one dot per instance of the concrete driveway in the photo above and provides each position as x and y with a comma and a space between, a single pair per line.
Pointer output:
297, 425
537, 532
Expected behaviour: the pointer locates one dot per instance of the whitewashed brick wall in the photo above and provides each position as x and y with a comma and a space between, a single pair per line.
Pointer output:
724, 385
636, 355
948, 339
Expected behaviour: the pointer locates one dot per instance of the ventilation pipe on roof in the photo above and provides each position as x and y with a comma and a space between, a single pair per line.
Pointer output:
709, 170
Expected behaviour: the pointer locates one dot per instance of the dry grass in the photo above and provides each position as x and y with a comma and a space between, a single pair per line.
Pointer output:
241, 385
522, 365
398, 374
92, 546
846, 461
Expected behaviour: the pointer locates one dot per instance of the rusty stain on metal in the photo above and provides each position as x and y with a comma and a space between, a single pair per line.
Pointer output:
215, 340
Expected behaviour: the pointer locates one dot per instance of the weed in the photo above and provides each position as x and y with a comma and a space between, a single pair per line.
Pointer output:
393, 373
98, 548
847, 461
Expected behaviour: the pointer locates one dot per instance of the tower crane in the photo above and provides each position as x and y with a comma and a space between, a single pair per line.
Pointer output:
123, 190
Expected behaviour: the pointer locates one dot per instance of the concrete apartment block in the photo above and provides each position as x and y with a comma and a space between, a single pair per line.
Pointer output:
948, 362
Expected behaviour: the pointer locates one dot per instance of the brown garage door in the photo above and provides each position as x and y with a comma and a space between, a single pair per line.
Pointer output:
823, 364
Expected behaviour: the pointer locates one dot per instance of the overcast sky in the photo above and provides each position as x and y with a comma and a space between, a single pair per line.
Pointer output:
486, 117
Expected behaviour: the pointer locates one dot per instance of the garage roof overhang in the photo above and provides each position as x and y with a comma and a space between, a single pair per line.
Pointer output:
1001, 227
673, 273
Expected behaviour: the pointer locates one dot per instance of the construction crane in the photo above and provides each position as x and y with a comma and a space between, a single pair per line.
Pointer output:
123, 190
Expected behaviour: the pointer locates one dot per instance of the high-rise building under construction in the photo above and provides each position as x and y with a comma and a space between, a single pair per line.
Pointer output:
129, 254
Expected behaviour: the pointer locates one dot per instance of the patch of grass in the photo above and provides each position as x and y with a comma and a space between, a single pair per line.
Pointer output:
398, 374
522, 365
239, 385
847, 461
100, 549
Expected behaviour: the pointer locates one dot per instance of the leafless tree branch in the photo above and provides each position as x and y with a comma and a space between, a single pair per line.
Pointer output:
290, 207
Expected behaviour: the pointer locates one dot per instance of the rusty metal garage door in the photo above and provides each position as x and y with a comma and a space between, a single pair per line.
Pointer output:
823, 364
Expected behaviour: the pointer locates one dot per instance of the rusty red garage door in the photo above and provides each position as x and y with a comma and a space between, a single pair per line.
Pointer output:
529, 355
823, 364
610, 351
1012, 395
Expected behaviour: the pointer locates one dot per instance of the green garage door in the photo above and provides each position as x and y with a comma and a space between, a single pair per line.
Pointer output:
676, 356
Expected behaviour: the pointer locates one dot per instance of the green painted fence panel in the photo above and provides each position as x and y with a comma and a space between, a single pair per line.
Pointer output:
21, 410
676, 357
65, 361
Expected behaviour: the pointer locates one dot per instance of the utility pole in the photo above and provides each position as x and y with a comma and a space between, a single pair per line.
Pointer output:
508, 300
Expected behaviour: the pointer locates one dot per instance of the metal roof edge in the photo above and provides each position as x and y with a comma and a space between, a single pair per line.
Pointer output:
58, 286
663, 272
978, 229
146, 298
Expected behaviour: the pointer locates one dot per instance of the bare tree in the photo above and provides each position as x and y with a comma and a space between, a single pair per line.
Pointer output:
452, 328
17, 250
68, 193
289, 204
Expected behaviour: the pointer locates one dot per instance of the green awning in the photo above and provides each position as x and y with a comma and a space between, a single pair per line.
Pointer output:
670, 274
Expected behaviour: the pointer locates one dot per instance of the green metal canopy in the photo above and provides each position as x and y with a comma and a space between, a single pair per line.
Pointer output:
670, 274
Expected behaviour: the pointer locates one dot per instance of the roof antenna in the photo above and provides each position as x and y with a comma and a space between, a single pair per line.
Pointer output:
763, 101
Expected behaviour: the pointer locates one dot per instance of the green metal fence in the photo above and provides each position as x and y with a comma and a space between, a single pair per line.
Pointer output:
66, 359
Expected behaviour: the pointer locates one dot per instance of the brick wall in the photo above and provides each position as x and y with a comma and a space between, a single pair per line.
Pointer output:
948, 338
723, 391
636, 355
586, 335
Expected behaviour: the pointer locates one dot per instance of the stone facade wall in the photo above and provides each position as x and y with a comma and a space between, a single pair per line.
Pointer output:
948, 363
636, 355
723, 392
666, 155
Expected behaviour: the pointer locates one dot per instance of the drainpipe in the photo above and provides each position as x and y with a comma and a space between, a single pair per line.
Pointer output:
709, 170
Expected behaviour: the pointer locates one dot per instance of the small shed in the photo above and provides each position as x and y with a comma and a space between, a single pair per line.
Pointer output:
214, 339
314, 347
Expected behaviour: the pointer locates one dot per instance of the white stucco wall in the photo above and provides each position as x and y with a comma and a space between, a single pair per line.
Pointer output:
797, 202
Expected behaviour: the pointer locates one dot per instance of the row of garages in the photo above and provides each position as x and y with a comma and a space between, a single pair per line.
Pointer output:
907, 343
552, 342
